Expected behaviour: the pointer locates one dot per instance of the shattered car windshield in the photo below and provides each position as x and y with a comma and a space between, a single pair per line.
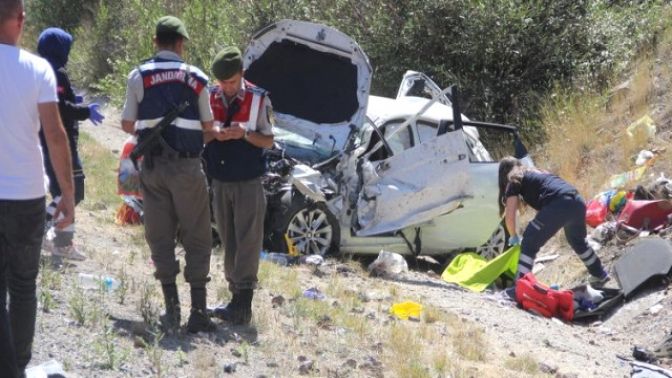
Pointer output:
300, 147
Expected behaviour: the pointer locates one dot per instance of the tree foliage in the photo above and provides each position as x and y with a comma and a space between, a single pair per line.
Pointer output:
505, 55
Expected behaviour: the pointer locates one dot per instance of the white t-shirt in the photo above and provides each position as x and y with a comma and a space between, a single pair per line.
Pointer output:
26, 80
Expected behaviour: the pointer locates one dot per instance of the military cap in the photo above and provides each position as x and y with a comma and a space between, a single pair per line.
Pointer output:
171, 24
227, 63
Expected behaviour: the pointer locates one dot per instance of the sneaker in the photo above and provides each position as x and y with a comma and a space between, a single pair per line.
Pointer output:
596, 281
69, 252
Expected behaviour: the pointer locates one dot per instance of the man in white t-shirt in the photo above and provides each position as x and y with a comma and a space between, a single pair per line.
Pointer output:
27, 96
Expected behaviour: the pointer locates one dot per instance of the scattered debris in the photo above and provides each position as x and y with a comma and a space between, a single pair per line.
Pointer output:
314, 293
388, 264
406, 310
644, 370
642, 129
641, 354
315, 260
655, 309
51, 368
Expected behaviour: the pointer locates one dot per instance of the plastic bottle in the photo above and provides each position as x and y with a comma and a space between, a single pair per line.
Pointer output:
276, 258
91, 281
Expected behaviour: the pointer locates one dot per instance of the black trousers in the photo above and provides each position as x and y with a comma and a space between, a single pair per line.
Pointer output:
21, 231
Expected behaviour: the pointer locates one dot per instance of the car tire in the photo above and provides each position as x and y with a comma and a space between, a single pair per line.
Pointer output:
311, 226
496, 244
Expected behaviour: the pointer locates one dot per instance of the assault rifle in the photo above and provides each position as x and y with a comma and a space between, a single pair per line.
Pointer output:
154, 138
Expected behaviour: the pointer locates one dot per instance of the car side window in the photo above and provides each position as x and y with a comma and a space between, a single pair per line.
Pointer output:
400, 141
426, 131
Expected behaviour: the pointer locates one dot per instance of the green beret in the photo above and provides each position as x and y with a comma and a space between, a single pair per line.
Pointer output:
171, 24
227, 63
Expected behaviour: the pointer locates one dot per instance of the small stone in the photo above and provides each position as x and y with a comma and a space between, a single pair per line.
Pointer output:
278, 301
262, 376
547, 369
591, 342
306, 367
230, 368
302, 358
272, 365
371, 316
512, 354
236, 353
351, 363
325, 322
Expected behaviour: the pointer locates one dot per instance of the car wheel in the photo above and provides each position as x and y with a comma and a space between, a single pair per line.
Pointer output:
495, 245
311, 227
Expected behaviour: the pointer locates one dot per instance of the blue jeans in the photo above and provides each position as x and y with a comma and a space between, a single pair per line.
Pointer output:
21, 231
568, 212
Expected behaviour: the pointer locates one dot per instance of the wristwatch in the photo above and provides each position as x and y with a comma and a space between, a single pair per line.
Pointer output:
246, 135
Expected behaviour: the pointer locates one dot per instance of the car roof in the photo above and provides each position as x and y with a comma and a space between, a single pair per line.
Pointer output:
383, 109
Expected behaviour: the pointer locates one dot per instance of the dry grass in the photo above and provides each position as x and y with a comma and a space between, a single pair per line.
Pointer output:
587, 139
523, 364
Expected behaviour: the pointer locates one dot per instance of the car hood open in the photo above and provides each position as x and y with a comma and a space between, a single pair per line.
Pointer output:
317, 77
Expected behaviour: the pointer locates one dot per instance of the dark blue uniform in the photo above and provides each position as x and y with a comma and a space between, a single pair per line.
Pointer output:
559, 205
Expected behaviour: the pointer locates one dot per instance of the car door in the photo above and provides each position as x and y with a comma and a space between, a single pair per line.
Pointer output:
419, 182
479, 217
418, 84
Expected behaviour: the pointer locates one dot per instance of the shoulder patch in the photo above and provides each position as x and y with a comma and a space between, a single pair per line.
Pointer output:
270, 116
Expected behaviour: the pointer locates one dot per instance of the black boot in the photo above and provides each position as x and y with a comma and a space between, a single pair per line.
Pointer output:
170, 321
243, 314
199, 320
227, 312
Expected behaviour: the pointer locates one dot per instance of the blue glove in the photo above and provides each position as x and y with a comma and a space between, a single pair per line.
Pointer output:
94, 114
514, 240
79, 99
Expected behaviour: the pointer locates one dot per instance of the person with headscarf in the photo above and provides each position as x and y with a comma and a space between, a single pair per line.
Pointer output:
54, 45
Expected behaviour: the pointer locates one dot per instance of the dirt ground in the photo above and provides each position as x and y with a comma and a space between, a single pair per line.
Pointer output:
278, 344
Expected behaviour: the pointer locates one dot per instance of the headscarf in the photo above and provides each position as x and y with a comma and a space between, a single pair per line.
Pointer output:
54, 46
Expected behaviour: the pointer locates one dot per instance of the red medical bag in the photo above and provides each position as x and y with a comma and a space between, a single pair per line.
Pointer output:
536, 297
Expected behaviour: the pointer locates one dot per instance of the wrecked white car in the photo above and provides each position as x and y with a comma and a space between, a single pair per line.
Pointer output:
356, 173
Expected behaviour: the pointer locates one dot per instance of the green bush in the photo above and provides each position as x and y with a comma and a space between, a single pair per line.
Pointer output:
505, 55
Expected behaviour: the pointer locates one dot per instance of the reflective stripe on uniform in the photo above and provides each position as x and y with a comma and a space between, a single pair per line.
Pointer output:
586, 254
526, 259
182, 123
172, 66
251, 123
